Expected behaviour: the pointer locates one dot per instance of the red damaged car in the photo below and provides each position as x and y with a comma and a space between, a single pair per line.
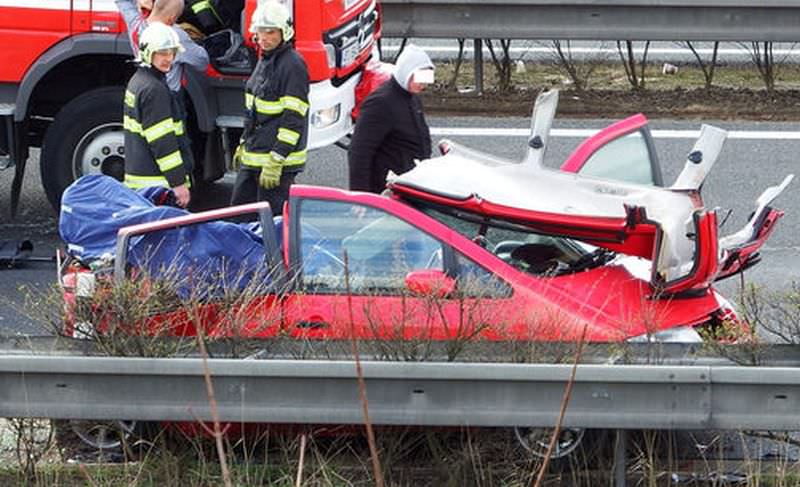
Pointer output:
471, 245
465, 246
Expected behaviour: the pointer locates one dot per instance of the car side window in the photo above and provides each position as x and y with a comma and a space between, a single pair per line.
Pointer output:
381, 249
624, 159
475, 281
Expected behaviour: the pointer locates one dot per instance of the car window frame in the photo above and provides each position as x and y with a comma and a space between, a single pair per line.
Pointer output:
577, 161
295, 214
451, 240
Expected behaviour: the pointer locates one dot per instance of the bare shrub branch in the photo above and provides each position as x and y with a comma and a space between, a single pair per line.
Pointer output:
502, 64
630, 64
709, 67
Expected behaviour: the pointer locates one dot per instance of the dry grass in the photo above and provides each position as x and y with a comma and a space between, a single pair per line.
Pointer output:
611, 76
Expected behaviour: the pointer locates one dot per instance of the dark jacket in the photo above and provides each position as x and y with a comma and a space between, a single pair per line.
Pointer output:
212, 15
152, 129
389, 134
276, 110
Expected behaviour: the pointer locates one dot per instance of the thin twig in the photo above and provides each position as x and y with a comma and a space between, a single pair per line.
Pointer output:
459, 60
362, 385
299, 479
86, 474
212, 401
563, 411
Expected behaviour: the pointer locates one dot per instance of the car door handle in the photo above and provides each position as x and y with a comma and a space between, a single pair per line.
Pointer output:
312, 324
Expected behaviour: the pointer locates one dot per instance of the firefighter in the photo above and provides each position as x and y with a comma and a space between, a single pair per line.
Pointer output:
273, 146
391, 131
152, 127
191, 55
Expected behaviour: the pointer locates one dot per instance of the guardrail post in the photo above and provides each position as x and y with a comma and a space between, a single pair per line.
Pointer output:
477, 59
620, 458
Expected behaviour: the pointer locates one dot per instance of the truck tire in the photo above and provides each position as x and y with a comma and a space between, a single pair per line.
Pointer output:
86, 137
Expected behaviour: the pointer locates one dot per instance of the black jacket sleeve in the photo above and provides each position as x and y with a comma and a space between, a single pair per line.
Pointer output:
372, 127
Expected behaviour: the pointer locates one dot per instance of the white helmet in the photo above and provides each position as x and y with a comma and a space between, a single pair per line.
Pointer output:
272, 15
157, 37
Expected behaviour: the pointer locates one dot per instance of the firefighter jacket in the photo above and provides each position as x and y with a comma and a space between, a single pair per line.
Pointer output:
152, 130
203, 15
389, 134
276, 111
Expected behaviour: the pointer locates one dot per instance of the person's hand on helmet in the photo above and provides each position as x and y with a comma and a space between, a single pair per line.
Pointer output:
270, 176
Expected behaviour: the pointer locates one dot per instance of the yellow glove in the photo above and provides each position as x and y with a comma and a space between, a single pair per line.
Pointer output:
270, 176
236, 160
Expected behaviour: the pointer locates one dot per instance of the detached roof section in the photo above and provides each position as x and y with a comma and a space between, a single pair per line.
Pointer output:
669, 226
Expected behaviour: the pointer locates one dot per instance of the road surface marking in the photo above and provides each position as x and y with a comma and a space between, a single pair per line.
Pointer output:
583, 133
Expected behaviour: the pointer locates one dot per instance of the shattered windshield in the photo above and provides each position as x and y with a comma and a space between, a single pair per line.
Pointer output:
521, 247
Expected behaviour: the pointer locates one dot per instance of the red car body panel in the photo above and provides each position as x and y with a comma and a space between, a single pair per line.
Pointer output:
608, 301
611, 302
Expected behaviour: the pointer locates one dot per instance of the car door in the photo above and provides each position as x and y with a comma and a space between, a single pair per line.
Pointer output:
623, 151
374, 268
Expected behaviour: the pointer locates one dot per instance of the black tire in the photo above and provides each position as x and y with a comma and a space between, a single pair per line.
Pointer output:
106, 440
577, 448
85, 137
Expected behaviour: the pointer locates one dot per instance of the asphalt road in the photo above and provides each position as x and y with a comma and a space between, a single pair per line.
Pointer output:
746, 167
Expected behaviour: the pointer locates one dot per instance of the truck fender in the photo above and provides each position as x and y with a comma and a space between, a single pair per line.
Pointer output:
78, 45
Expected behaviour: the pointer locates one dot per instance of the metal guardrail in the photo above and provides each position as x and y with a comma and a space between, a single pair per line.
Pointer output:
402, 393
656, 20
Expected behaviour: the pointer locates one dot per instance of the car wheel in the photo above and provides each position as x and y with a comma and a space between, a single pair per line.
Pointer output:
95, 435
116, 440
537, 440
575, 446
85, 137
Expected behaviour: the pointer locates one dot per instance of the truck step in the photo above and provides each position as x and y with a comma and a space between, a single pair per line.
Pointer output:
230, 122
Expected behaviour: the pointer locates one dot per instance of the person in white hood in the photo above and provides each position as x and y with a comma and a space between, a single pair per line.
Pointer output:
390, 131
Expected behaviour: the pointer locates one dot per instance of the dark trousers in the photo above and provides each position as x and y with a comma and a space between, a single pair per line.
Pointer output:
247, 190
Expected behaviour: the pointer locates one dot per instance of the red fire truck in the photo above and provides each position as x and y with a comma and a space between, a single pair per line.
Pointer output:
64, 65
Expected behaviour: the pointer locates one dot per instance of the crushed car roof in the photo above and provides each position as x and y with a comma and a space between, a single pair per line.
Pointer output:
670, 225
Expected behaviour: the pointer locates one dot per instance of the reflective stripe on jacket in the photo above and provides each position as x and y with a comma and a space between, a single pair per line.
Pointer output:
276, 111
152, 129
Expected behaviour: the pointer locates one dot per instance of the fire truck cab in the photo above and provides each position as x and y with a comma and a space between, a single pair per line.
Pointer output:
64, 65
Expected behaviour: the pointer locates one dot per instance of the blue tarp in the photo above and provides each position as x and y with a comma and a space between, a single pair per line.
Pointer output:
95, 207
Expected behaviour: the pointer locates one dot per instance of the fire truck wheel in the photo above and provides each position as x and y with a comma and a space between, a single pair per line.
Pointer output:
85, 138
